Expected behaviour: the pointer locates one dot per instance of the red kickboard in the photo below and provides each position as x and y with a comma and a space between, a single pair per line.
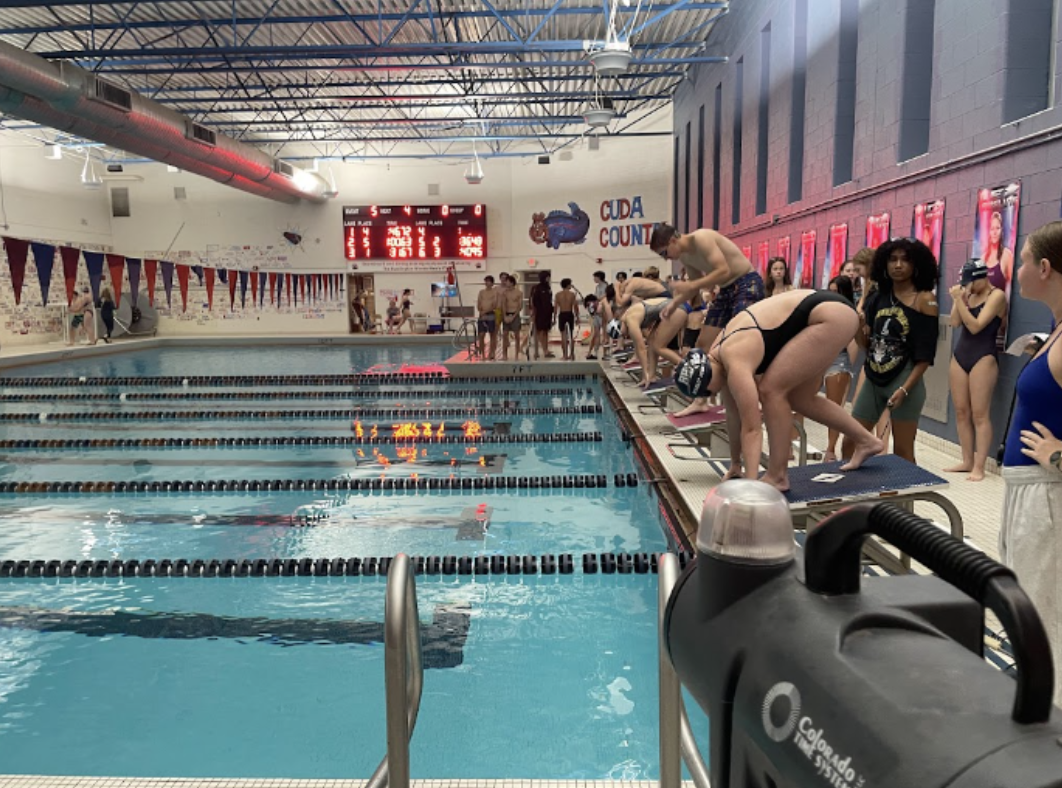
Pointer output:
716, 414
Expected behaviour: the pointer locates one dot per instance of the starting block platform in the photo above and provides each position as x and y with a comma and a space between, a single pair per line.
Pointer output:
660, 392
823, 488
700, 429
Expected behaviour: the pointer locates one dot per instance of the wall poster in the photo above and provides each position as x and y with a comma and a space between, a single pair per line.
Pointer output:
836, 253
995, 237
804, 276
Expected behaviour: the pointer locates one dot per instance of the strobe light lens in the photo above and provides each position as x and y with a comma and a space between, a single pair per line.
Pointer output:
746, 521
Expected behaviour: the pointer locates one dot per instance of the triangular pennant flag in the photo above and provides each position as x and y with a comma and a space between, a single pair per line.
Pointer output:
151, 268
243, 289
254, 288
182, 280
209, 272
44, 257
287, 285
94, 264
280, 290
261, 288
167, 283
116, 264
302, 287
232, 290
198, 271
71, 256
17, 249
223, 275
132, 267
272, 287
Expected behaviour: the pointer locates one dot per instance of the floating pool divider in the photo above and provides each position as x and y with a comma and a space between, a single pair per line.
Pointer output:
565, 564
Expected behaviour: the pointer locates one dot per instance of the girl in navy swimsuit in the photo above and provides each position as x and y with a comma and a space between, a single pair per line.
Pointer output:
790, 340
1030, 535
977, 313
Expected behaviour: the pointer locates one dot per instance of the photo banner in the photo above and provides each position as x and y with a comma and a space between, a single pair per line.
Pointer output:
747, 251
784, 249
995, 237
804, 277
763, 258
927, 226
878, 229
836, 253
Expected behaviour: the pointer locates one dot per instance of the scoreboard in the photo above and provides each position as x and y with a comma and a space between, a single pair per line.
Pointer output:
414, 232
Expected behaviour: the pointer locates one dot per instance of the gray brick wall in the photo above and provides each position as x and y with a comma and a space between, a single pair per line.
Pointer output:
966, 120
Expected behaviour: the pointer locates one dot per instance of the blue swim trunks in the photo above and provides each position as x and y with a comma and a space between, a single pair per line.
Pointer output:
740, 294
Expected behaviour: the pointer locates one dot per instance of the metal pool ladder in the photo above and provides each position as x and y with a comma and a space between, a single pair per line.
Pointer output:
403, 673
677, 744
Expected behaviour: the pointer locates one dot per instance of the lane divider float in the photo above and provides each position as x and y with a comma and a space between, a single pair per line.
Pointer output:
386, 484
278, 442
339, 413
372, 566
388, 379
314, 394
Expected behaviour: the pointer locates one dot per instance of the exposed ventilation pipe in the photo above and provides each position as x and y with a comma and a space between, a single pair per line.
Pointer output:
71, 99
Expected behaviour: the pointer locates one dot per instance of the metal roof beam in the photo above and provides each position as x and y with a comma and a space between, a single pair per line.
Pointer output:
183, 89
495, 65
486, 101
101, 25
343, 51
464, 138
448, 123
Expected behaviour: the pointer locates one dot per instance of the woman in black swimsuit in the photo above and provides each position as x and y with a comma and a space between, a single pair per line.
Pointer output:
790, 341
977, 313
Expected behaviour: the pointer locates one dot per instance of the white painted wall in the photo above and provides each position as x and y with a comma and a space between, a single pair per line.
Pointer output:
51, 205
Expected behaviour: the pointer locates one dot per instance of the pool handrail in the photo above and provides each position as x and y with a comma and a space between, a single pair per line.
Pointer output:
403, 673
676, 735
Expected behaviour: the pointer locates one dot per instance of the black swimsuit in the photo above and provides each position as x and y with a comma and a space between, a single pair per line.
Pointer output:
774, 339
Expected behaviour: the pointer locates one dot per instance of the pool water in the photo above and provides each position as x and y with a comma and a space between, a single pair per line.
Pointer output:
547, 676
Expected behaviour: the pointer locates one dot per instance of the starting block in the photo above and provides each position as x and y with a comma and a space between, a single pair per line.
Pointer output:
816, 491
660, 392
701, 429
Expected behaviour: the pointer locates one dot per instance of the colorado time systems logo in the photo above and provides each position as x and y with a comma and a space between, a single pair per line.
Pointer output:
782, 721
781, 692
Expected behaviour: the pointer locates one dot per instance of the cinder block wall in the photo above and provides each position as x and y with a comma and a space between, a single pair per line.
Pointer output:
976, 84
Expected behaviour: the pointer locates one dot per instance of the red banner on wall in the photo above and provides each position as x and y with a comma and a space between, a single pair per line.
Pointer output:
836, 253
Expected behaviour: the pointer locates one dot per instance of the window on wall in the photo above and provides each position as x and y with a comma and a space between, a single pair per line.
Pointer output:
675, 186
800, 89
700, 169
739, 95
717, 154
915, 95
844, 124
686, 174
1030, 26
762, 132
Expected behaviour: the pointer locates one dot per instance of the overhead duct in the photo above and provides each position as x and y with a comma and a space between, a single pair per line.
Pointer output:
71, 99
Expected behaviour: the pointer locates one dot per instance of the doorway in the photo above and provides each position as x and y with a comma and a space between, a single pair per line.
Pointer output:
361, 290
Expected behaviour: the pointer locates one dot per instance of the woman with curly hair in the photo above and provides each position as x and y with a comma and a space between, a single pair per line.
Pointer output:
900, 333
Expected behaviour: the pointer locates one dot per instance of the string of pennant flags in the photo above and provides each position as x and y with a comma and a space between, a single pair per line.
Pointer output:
279, 285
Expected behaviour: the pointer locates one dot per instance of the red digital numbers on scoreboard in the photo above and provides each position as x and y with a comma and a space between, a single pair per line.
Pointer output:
414, 232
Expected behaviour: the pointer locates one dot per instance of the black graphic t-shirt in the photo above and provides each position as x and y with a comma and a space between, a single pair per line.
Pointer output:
898, 335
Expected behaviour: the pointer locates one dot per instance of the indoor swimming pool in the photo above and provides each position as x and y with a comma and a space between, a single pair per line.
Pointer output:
547, 664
